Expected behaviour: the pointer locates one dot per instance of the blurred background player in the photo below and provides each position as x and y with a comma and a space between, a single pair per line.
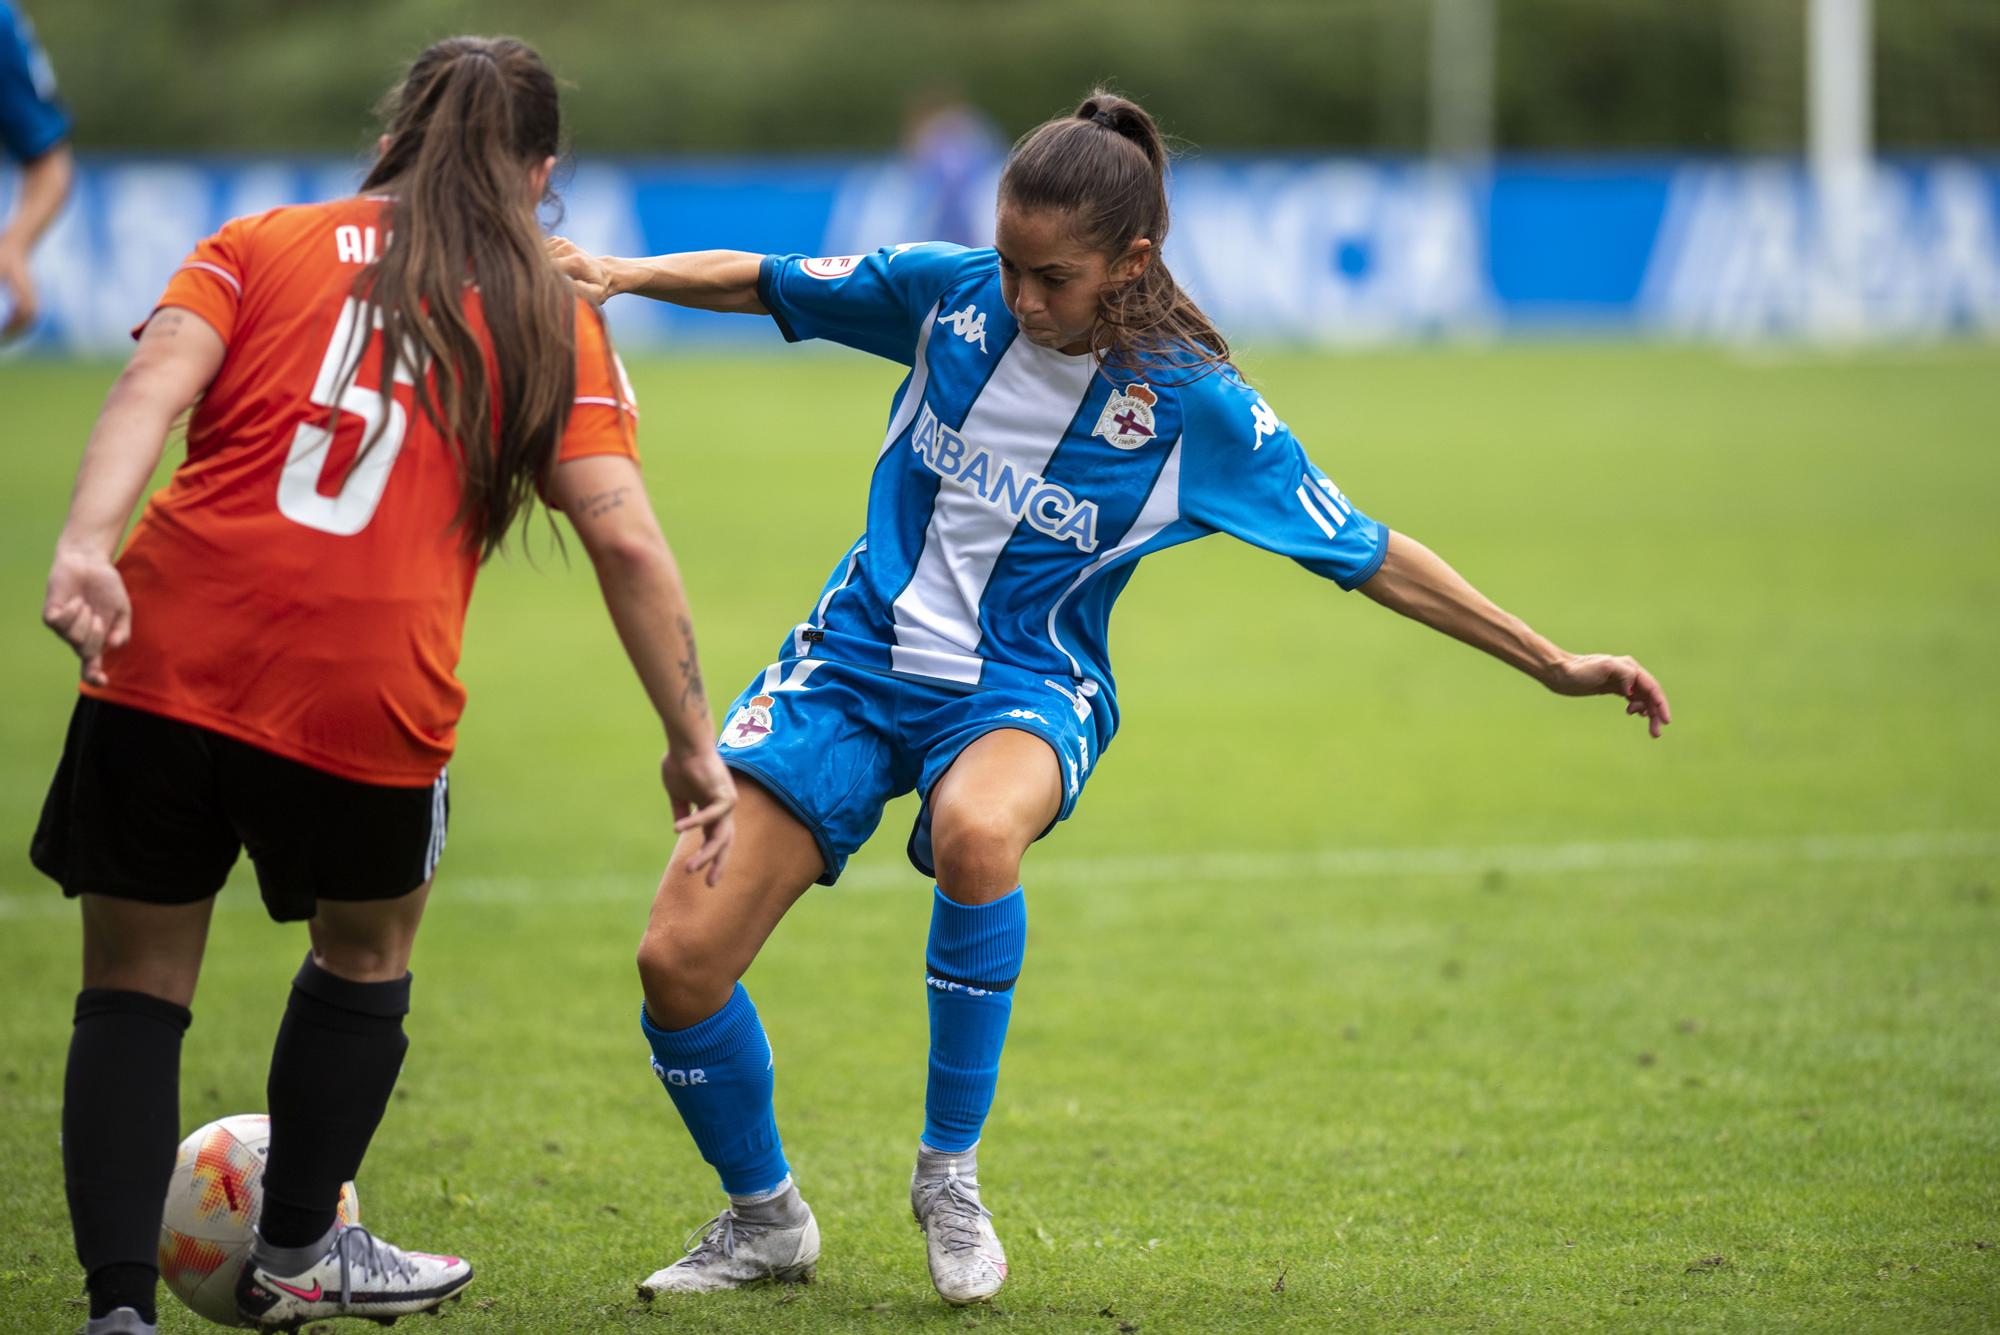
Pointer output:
953, 151
34, 130
271, 660
1069, 411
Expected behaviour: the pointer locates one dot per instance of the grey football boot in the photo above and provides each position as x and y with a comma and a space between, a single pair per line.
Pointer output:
773, 1240
967, 1262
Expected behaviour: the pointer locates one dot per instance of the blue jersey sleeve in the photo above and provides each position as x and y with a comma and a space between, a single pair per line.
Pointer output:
31, 120
874, 302
1247, 475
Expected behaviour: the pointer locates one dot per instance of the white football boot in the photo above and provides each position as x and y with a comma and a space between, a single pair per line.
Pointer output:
773, 1240
120, 1321
356, 1274
966, 1259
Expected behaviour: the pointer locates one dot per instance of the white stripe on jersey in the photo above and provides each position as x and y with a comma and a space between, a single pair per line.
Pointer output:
1162, 507
227, 276
1318, 515
1019, 419
800, 645
913, 398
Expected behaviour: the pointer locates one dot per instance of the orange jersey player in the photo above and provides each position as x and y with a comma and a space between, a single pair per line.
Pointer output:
380, 387
294, 591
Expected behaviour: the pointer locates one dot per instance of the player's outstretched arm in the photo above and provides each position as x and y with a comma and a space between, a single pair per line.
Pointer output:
45, 184
607, 505
178, 354
1417, 582
708, 280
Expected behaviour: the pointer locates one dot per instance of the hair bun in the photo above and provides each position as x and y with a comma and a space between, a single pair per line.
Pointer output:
1126, 119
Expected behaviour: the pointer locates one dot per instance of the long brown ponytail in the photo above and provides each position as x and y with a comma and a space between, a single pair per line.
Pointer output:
1105, 165
474, 116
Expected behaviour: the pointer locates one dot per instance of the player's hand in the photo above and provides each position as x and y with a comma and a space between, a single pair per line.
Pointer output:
704, 796
86, 605
584, 270
1610, 674
17, 284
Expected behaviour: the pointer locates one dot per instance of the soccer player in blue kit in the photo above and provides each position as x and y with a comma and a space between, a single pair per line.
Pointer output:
34, 131
1068, 411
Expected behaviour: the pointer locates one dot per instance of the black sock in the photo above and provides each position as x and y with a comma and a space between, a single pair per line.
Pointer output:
120, 1123
339, 1051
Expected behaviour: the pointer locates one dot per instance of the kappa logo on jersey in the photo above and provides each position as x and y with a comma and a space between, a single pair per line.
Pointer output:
1265, 421
969, 324
831, 266
750, 725
1127, 419
1049, 507
1024, 715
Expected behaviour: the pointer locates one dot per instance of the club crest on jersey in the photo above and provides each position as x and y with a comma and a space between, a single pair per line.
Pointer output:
831, 266
749, 725
1127, 419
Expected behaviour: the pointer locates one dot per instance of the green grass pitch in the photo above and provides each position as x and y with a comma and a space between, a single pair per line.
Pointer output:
1371, 988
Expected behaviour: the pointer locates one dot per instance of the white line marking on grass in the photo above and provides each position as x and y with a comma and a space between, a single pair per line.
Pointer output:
1326, 864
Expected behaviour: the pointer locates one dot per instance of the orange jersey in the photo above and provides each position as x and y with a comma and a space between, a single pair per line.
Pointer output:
277, 596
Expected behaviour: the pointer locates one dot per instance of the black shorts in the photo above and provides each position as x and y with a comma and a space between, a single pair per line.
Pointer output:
147, 807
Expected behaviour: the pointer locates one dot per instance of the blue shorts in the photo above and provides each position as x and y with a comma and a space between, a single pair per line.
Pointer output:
835, 742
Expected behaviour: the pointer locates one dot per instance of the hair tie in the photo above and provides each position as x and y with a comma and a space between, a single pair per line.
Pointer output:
1104, 118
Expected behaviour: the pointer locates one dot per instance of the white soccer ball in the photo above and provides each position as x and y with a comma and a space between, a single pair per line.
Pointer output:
213, 1200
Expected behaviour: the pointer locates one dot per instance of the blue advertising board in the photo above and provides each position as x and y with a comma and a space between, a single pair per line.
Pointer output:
1308, 249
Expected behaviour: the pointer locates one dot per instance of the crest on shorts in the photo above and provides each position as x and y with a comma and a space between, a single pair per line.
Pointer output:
1127, 419
749, 725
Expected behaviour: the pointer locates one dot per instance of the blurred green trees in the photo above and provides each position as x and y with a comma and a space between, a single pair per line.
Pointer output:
816, 75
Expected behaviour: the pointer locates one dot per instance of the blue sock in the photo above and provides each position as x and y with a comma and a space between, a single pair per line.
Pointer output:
971, 963
718, 1073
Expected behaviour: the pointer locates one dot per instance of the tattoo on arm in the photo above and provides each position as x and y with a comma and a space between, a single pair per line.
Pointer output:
692, 690
169, 323
603, 503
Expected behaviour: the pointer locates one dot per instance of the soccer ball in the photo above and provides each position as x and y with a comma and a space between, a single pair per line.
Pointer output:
213, 1199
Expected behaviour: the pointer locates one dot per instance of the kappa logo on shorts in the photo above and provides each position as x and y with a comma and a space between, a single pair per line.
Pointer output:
1127, 419
750, 725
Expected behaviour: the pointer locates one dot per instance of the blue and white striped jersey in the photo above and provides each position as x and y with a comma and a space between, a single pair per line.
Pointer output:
1017, 488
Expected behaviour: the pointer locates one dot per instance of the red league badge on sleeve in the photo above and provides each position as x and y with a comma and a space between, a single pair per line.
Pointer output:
1127, 419
831, 266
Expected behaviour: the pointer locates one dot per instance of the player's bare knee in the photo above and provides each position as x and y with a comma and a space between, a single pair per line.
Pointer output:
169, 981
978, 854
364, 960
682, 986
